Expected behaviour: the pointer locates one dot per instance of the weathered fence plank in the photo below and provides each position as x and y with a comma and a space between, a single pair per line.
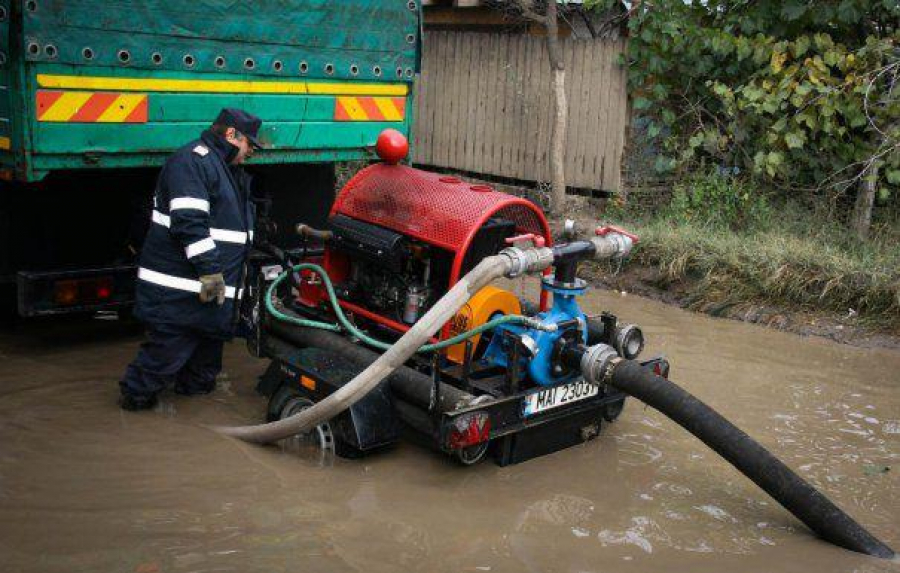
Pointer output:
483, 104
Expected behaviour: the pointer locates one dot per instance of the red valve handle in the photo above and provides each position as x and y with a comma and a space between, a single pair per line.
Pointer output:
607, 229
536, 240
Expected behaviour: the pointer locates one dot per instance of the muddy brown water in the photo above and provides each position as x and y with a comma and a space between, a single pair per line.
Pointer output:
85, 487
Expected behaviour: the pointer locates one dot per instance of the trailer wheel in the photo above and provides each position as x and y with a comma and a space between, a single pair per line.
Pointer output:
471, 455
614, 410
288, 401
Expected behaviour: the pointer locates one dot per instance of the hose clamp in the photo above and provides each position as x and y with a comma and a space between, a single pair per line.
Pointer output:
612, 246
523, 261
596, 363
623, 244
517, 263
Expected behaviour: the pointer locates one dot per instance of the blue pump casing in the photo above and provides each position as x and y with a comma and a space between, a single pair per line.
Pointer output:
539, 367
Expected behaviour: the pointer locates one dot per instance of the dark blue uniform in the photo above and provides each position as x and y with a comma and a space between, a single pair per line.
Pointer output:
202, 224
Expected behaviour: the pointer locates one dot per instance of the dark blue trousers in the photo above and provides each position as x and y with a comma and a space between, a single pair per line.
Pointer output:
172, 356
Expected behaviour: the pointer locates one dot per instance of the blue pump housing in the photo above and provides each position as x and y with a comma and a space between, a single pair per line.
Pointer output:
539, 367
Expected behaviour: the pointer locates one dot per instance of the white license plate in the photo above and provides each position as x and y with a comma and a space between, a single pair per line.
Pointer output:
558, 396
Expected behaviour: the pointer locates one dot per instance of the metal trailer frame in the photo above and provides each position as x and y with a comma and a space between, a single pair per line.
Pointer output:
375, 421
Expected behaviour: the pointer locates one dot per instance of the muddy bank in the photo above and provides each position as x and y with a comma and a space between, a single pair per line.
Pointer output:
650, 282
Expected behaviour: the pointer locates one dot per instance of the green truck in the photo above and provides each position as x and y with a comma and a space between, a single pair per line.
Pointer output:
96, 95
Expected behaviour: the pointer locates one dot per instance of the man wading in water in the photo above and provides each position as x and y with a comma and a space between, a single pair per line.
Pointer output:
192, 261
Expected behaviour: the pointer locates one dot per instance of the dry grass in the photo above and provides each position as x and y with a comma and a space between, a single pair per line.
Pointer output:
801, 265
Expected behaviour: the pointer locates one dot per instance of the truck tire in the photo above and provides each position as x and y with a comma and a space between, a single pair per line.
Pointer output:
9, 307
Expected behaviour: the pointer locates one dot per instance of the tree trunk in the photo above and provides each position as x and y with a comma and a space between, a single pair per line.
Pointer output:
560, 113
861, 219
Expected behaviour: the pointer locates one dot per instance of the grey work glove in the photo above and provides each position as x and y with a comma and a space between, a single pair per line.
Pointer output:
212, 287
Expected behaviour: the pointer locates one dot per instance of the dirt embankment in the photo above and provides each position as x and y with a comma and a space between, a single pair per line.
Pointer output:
652, 283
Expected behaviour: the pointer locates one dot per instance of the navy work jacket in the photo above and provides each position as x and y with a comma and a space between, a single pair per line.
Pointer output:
202, 224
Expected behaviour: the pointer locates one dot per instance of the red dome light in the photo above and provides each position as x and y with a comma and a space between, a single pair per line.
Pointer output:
392, 146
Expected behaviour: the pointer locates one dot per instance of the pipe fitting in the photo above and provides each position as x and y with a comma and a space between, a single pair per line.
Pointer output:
612, 246
523, 261
530, 345
628, 340
570, 229
305, 230
597, 362
536, 324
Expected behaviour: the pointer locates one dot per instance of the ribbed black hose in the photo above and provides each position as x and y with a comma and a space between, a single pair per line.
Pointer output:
743, 452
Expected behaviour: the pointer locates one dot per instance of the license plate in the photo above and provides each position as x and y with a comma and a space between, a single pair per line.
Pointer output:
558, 396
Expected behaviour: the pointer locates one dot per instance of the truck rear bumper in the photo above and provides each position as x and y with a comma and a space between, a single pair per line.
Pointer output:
78, 290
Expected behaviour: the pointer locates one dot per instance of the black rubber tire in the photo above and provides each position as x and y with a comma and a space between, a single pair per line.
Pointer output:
278, 400
286, 393
611, 412
9, 308
472, 455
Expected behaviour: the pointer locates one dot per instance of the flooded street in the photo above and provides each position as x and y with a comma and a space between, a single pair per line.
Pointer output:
86, 487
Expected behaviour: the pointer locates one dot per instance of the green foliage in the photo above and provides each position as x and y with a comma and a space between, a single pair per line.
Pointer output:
718, 201
801, 94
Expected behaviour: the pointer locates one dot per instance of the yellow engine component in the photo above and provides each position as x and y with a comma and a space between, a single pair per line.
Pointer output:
485, 305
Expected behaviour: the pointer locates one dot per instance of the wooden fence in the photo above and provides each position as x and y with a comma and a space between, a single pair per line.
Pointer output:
483, 105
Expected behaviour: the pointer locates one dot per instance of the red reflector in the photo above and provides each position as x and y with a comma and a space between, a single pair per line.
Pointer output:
104, 288
83, 291
469, 429
661, 368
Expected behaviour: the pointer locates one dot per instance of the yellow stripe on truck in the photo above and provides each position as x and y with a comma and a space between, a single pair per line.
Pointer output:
219, 86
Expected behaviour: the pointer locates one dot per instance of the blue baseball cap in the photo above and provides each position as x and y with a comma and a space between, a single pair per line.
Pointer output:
246, 123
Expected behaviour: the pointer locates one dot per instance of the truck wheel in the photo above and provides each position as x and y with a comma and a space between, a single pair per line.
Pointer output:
9, 310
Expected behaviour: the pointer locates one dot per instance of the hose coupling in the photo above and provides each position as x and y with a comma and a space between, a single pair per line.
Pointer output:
523, 261
612, 246
597, 363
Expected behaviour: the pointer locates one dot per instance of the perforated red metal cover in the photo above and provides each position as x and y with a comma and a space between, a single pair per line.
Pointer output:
437, 209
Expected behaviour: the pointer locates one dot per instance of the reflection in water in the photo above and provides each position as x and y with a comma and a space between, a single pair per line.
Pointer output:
86, 487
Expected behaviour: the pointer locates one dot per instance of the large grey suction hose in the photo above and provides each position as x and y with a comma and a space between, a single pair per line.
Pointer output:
510, 263
600, 364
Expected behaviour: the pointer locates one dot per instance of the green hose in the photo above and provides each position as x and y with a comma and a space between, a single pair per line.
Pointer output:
351, 328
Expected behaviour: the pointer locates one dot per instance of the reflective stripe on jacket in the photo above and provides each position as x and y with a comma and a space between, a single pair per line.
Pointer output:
202, 224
